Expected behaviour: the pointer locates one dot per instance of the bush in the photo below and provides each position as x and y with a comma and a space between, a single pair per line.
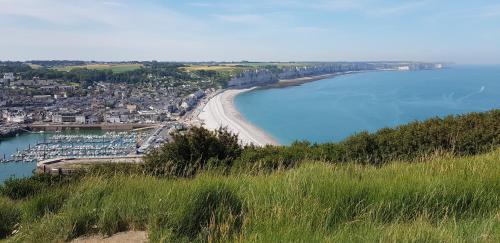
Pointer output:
21, 188
192, 151
10, 215
272, 158
461, 135
200, 149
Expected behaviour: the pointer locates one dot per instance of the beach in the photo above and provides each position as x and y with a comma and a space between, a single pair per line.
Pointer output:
220, 111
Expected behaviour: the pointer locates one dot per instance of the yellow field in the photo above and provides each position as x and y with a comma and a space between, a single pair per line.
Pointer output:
34, 66
116, 68
211, 68
230, 67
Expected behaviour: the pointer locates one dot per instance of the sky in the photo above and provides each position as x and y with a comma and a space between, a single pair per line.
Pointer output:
460, 31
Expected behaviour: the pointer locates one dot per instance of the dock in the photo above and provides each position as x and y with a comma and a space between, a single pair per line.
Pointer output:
70, 165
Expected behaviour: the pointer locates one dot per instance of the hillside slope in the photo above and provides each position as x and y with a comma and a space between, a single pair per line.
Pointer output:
442, 199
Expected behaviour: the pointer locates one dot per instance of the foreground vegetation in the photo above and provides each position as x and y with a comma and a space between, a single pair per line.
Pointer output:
200, 149
436, 181
444, 199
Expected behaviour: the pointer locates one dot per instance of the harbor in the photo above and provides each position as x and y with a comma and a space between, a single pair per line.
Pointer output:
20, 154
81, 146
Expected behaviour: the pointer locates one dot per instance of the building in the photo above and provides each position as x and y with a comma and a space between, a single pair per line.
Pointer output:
93, 119
131, 108
80, 119
112, 119
57, 118
9, 77
64, 118
17, 117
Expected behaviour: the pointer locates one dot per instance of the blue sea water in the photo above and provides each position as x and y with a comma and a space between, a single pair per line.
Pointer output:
330, 110
9, 146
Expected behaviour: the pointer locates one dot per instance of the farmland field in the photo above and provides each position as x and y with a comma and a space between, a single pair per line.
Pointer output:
116, 68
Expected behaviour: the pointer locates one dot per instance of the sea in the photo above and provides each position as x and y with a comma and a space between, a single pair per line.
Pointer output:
9, 146
330, 110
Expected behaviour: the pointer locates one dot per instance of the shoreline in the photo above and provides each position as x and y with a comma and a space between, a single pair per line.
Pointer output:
220, 111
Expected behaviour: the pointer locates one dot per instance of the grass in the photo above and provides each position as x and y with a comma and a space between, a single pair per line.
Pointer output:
444, 199
116, 68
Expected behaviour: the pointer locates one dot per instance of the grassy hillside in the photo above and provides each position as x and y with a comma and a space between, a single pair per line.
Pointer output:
443, 199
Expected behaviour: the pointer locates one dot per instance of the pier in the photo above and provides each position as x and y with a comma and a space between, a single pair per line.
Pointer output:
60, 166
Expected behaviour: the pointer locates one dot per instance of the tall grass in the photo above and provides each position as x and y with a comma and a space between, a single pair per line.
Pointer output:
445, 199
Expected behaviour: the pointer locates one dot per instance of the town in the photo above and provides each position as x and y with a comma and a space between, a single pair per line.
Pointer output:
31, 101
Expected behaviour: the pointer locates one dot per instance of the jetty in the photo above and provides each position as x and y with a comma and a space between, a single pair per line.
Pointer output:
60, 166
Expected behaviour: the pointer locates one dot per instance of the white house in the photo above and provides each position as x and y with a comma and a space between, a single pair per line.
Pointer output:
16, 119
113, 119
80, 119
9, 77
57, 119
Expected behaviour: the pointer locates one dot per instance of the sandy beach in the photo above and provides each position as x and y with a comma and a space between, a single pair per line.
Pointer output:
220, 111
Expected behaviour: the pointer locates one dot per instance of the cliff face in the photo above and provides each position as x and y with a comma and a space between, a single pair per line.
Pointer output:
253, 78
264, 76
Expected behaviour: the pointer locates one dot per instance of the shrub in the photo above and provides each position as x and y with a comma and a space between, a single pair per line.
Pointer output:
461, 135
20, 188
467, 134
189, 152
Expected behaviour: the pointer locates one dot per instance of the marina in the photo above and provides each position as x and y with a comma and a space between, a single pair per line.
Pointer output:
80, 146
19, 154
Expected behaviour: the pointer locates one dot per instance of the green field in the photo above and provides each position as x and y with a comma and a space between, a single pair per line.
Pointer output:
116, 68
238, 67
444, 199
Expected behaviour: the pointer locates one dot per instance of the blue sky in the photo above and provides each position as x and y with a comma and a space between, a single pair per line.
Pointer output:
259, 30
